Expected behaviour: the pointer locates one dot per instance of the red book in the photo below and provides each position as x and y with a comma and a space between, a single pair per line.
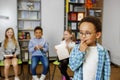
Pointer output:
73, 17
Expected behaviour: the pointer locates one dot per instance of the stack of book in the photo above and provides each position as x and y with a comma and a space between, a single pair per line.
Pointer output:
23, 35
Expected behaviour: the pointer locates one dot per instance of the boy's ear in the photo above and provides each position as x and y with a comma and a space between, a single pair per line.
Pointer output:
98, 35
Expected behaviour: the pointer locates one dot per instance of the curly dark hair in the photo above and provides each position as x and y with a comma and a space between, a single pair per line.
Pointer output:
95, 21
38, 28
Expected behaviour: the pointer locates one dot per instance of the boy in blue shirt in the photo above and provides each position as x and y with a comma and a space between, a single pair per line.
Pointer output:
89, 60
38, 47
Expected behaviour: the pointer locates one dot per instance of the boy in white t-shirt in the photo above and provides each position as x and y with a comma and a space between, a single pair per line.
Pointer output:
89, 60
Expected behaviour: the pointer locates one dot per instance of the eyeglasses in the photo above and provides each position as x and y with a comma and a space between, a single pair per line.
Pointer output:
87, 34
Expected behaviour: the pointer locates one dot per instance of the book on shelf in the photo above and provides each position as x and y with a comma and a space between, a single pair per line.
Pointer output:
28, 25
73, 1
73, 16
91, 12
73, 25
79, 9
98, 13
77, 1
26, 55
81, 1
71, 7
78, 35
80, 16
23, 5
37, 6
20, 24
33, 15
29, 15
23, 35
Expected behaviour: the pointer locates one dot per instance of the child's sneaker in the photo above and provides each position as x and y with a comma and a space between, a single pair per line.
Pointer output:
35, 77
63, 78
71, 78
42, 77
16, 78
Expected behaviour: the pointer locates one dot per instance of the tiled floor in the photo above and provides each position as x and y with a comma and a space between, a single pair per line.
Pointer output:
115, 73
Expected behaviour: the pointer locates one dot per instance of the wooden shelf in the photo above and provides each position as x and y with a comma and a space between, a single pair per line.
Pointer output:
26, 29
28, 19
29, 16
30, 0
33, 10
74, 3
24, 40
24, 49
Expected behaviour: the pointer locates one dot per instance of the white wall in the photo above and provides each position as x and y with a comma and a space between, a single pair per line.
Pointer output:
111, 29
53, 22
8, 8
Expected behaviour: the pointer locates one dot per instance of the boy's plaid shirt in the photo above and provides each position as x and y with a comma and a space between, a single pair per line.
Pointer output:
76, 61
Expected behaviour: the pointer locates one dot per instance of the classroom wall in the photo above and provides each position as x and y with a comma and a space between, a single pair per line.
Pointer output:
52, 22
111, 29
8, 8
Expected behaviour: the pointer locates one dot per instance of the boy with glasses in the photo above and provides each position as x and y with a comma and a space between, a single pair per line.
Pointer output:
89, 60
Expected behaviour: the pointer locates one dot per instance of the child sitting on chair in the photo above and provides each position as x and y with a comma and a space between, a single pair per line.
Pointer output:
10, 49
38, 47
69, 42
89, 60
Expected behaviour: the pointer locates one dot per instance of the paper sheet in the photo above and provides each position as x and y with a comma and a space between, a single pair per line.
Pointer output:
62, 51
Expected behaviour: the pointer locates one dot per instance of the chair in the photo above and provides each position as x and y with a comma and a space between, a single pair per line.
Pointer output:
29, 63
19, 63
55, 63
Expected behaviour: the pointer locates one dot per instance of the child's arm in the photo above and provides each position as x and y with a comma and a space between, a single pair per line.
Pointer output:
2, 53
17, 51
45, 47
76, 58
31, 48
107, 69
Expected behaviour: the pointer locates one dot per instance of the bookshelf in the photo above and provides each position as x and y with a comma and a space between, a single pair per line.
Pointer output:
29, 16
97, 11
76, 12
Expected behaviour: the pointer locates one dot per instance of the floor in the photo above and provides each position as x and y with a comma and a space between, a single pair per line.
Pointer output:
115, 73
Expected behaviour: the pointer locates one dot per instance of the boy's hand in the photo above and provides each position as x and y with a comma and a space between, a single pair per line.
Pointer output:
36, 48
83, 46
40, 47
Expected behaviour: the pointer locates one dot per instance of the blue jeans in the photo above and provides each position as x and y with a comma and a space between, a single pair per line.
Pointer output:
35, 61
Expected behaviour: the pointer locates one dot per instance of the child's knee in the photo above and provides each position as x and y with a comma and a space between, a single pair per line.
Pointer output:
7, 65
15, 62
